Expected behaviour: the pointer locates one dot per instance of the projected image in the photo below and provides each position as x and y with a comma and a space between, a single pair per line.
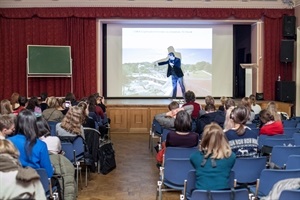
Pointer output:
142, 48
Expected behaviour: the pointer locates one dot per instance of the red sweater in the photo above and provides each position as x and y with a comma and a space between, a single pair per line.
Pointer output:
271, 128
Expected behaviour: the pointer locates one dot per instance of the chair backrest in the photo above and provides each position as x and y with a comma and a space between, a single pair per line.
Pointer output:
68, 150
269, 177
247, 170
78, 146
52, 126
271, 142
280, 154
262, 138
296, 138
44, 179
289, 194
293, 162
176, 171
191, 182
289, 131
240, 194
179, 152
289, 123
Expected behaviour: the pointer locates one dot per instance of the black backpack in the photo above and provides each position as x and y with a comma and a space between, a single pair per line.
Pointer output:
106, 157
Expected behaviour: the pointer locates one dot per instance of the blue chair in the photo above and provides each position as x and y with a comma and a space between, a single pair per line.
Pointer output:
261, 139
289, 123
172, 175
280, 154
155, 133
271, 142
290, 195
268, 178
296, 138
190, 183
240, 194
293, 162
289, 131
255, 166
50, 191
179, 152
165, 132
52, 126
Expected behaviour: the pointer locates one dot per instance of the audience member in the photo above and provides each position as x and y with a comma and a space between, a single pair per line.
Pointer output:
214, 160
53, 142
23, 103
71, 97
63, 106
52, 113
100, 102
88, 121
190, 98
182, 136
5, 107
167, 119
272, 108
211, 115
242, 140
223, 100
71, 125
34, 106
33, 151
251, 115
43, 103
229, 106
14, 100
269, 125
254, 106
208, 100
17, 182
7, 125
94, 109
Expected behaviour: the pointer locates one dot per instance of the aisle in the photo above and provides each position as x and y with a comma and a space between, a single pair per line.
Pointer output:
135, 177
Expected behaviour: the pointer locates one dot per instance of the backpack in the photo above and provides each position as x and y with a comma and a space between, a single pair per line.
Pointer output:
106, 157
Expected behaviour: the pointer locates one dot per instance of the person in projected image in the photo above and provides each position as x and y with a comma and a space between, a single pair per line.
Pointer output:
174, 70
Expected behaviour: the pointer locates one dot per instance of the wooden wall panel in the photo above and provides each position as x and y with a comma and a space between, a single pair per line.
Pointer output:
138, 120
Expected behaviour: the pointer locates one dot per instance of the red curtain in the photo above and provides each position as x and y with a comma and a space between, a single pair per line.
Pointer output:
76, 27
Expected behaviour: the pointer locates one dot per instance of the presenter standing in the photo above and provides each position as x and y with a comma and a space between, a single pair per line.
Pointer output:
174, 70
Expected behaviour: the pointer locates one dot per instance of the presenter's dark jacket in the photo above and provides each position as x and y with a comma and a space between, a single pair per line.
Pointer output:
177, 67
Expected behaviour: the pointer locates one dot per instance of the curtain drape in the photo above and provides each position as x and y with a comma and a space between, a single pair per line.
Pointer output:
76, 27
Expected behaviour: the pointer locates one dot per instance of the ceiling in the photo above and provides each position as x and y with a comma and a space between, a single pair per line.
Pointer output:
276, 4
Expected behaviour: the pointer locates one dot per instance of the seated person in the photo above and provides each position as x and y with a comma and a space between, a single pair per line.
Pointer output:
7, 125
182, 136
223, 100
211, 115
33, 151
71, 125
52, 113
17, 182
247, 103
242, 140
208, 100
269, 125
214, 160
254, 106
190, 100
166, 120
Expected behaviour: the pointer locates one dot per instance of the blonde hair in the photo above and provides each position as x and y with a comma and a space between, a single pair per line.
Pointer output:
5, 107
209, 100
7, 147
214, 142
52, 102
272, 108
223, 100
228, 124
73, 120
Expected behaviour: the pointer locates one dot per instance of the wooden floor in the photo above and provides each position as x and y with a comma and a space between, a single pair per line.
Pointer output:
135, 177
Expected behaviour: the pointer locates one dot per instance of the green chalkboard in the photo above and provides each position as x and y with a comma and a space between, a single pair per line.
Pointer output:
49, 60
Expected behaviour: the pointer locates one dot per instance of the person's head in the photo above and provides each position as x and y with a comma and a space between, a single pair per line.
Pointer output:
44, 96
240, 116
189, 96
5, 107
61, 102
84, 107
70, 97
92, 102
183, 121
252, 99
32, 103
265, 116
246, 102
43, 127
209, 100
73, 120
7, 124
214, 142
229, 103
223, 100
228, 123
272, 107
7, 147
22, 101
173, 105
98, 98
14, 99
171, 56
210, 108
26, 125
52, 102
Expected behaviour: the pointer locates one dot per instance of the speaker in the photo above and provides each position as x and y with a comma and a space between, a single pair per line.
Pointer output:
289, 26
287, 51
285, 91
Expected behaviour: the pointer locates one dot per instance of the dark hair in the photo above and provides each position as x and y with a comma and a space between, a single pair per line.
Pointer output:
92, 102
240, 115
26, 125
22, 100
189, 96
266, 116
183, 121
44, 96
70, 97
43, 127
173, 105
210, 107
32, 103
171, 54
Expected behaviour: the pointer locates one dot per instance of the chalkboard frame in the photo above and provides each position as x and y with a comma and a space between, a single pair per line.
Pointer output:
42, 61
